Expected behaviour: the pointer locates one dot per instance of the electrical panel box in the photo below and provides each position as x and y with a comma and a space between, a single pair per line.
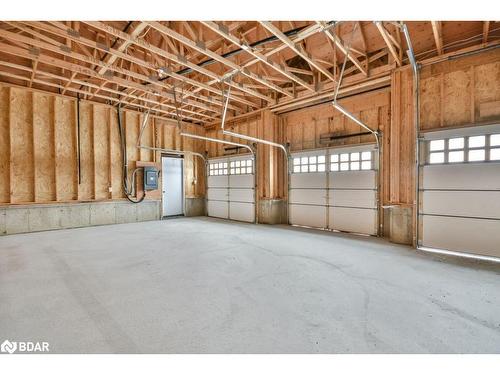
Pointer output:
150, 178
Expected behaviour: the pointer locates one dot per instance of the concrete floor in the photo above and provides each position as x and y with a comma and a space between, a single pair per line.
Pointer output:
200, 285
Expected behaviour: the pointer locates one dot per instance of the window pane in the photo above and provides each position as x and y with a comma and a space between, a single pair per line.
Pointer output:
243, 163
304, 160
312, 159
225, 165
232, 171
344, 157
437, 157
296, 168
477, 141
495, 154
455, 143
321, 167
249, 163
296, 161
238, 163
354, 156
249, 170
366, 155
225, 171
476, 155
238, 170
312, 168
437, 145
334, 167
321, 158
304, 168
495, 140
334, 158
344, 166
456, 156
366, 165
354, 165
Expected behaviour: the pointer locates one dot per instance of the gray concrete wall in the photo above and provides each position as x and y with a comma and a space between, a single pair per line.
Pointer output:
194, 207
35, 218
272, 211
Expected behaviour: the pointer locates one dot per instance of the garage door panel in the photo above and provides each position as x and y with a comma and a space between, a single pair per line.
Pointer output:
217, 194
353, 198
241, 181
356, 220
218, 209
478, 236
241, 195
353, 180
242, 211
218, 181
485, 176
311, 216
308, 196
308, 180
462, 203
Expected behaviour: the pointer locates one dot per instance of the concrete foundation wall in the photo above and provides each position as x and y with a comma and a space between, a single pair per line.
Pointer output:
400, 220
34, 218
272, 211
194, 207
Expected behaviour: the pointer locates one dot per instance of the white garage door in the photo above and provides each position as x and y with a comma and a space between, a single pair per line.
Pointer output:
230, 192
335, 189
460, 191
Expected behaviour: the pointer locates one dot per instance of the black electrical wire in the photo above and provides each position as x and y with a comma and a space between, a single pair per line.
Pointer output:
123, 145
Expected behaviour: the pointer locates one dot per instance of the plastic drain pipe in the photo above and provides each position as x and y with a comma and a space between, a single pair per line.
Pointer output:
252, 151
257, 140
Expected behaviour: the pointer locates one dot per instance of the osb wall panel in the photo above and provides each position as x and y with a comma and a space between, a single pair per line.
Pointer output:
460, 92
39, 153
271, 170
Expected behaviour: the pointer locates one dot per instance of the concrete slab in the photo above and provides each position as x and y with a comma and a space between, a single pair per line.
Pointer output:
3, 214
148, 211
202, 285
79, 215
44, 218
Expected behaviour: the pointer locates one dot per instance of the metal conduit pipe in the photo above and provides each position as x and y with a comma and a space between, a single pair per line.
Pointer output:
254, 157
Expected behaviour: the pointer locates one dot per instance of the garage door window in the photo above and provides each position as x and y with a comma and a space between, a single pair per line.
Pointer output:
308, 164
218, 169
241, 167
353, 161
478, 148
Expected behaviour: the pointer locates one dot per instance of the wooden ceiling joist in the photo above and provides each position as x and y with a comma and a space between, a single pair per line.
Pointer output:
221, 30
199, 46
438, 36
299, 50
179, 59
388, 41
340, 45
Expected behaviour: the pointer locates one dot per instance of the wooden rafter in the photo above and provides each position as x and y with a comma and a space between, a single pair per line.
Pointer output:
175, 58
284, 70
341, 46
199, 46
389, 42
299, 50
486, 30
438, 36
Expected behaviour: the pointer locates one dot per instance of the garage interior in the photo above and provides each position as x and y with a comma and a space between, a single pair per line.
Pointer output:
250, 186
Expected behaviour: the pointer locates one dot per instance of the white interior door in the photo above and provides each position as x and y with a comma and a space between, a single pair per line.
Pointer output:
460, 191
172, 186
